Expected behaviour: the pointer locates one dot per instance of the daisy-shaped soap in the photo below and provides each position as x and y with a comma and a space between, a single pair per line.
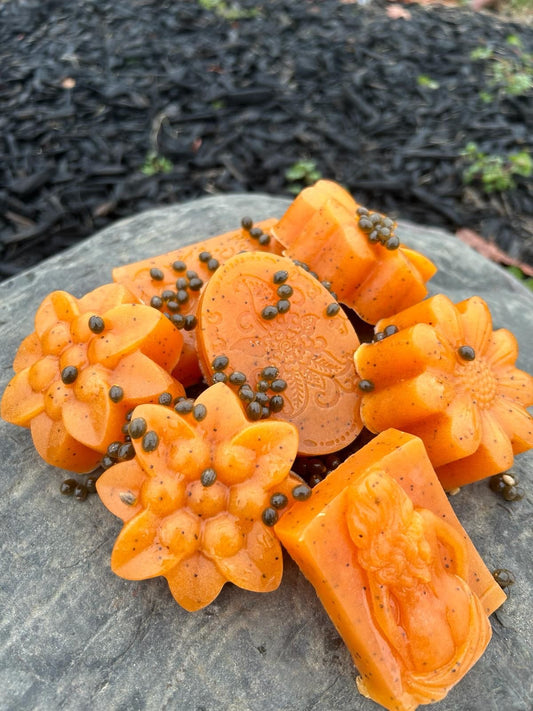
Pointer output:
86, 365
200, 497
438, 370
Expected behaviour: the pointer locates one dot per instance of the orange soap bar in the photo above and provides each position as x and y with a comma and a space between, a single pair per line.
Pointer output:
172, 282
395, 570
355, 250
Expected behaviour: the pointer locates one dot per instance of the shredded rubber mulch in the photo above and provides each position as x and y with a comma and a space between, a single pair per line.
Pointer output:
111, 108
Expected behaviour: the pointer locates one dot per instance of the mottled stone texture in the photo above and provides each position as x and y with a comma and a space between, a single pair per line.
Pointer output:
74, 636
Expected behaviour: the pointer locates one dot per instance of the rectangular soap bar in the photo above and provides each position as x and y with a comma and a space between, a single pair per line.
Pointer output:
395, 570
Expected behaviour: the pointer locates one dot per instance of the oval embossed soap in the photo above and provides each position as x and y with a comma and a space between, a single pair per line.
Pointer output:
271, 330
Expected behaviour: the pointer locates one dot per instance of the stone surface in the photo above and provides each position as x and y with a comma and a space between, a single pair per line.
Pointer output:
74, 636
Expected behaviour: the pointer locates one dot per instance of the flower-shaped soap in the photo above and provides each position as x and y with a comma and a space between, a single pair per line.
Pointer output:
439, 371
355, 250
86, 365
200, 497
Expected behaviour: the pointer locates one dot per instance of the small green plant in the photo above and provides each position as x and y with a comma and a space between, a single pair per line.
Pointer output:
427, 82
519, 274
507, 76
228, 11
301, 174
155, 163
495, 172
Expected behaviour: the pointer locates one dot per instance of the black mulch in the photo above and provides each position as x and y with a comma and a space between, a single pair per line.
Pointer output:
215, 96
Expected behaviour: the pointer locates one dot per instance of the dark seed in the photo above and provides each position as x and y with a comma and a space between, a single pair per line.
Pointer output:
125, 452
106, 462
179, 266
285, 290
283, 306
246, 394
184, 407
219, 377
255, 232
112, 450
137, 427
191, 274
513, 493
365, 224
254, 410
315, 479
204, 256
278, 385
265, 412
262, 386
80, 492
269, 312
333, 309
366, 386
264, 239
128, 498
270, 372
393, 242
276, 403
361, 211
150, 441
156, 274
247, 223
220, 362
165, 399
390, 330
69, 374
279, 500
379, 336
497, 483
90, 484
116, 393
237, 378
208, 477
190, 322
96, 324
213, 264
280, 276
67, 487
466, 352
269, 516
182, 296
168, 294
195, 284
262, 398
301, 492
374, 236
178, 320
503, 577
199, 412
182, 283
156, 302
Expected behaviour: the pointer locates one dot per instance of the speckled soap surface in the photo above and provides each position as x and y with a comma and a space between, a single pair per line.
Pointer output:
75, 636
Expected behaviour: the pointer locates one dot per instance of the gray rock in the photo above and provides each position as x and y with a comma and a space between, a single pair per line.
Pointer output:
74, 636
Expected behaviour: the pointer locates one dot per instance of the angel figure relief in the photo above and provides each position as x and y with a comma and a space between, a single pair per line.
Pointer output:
415, 565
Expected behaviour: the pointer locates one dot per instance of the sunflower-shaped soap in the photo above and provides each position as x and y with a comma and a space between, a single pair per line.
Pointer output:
200, 497
86, 365
438, 370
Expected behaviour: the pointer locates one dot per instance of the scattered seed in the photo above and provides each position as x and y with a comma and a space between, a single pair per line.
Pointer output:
116, 393
269, 516
96, 324
208, 477
69, 374
150, 441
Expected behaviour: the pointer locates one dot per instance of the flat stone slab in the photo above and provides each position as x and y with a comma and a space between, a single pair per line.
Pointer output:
75, 636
